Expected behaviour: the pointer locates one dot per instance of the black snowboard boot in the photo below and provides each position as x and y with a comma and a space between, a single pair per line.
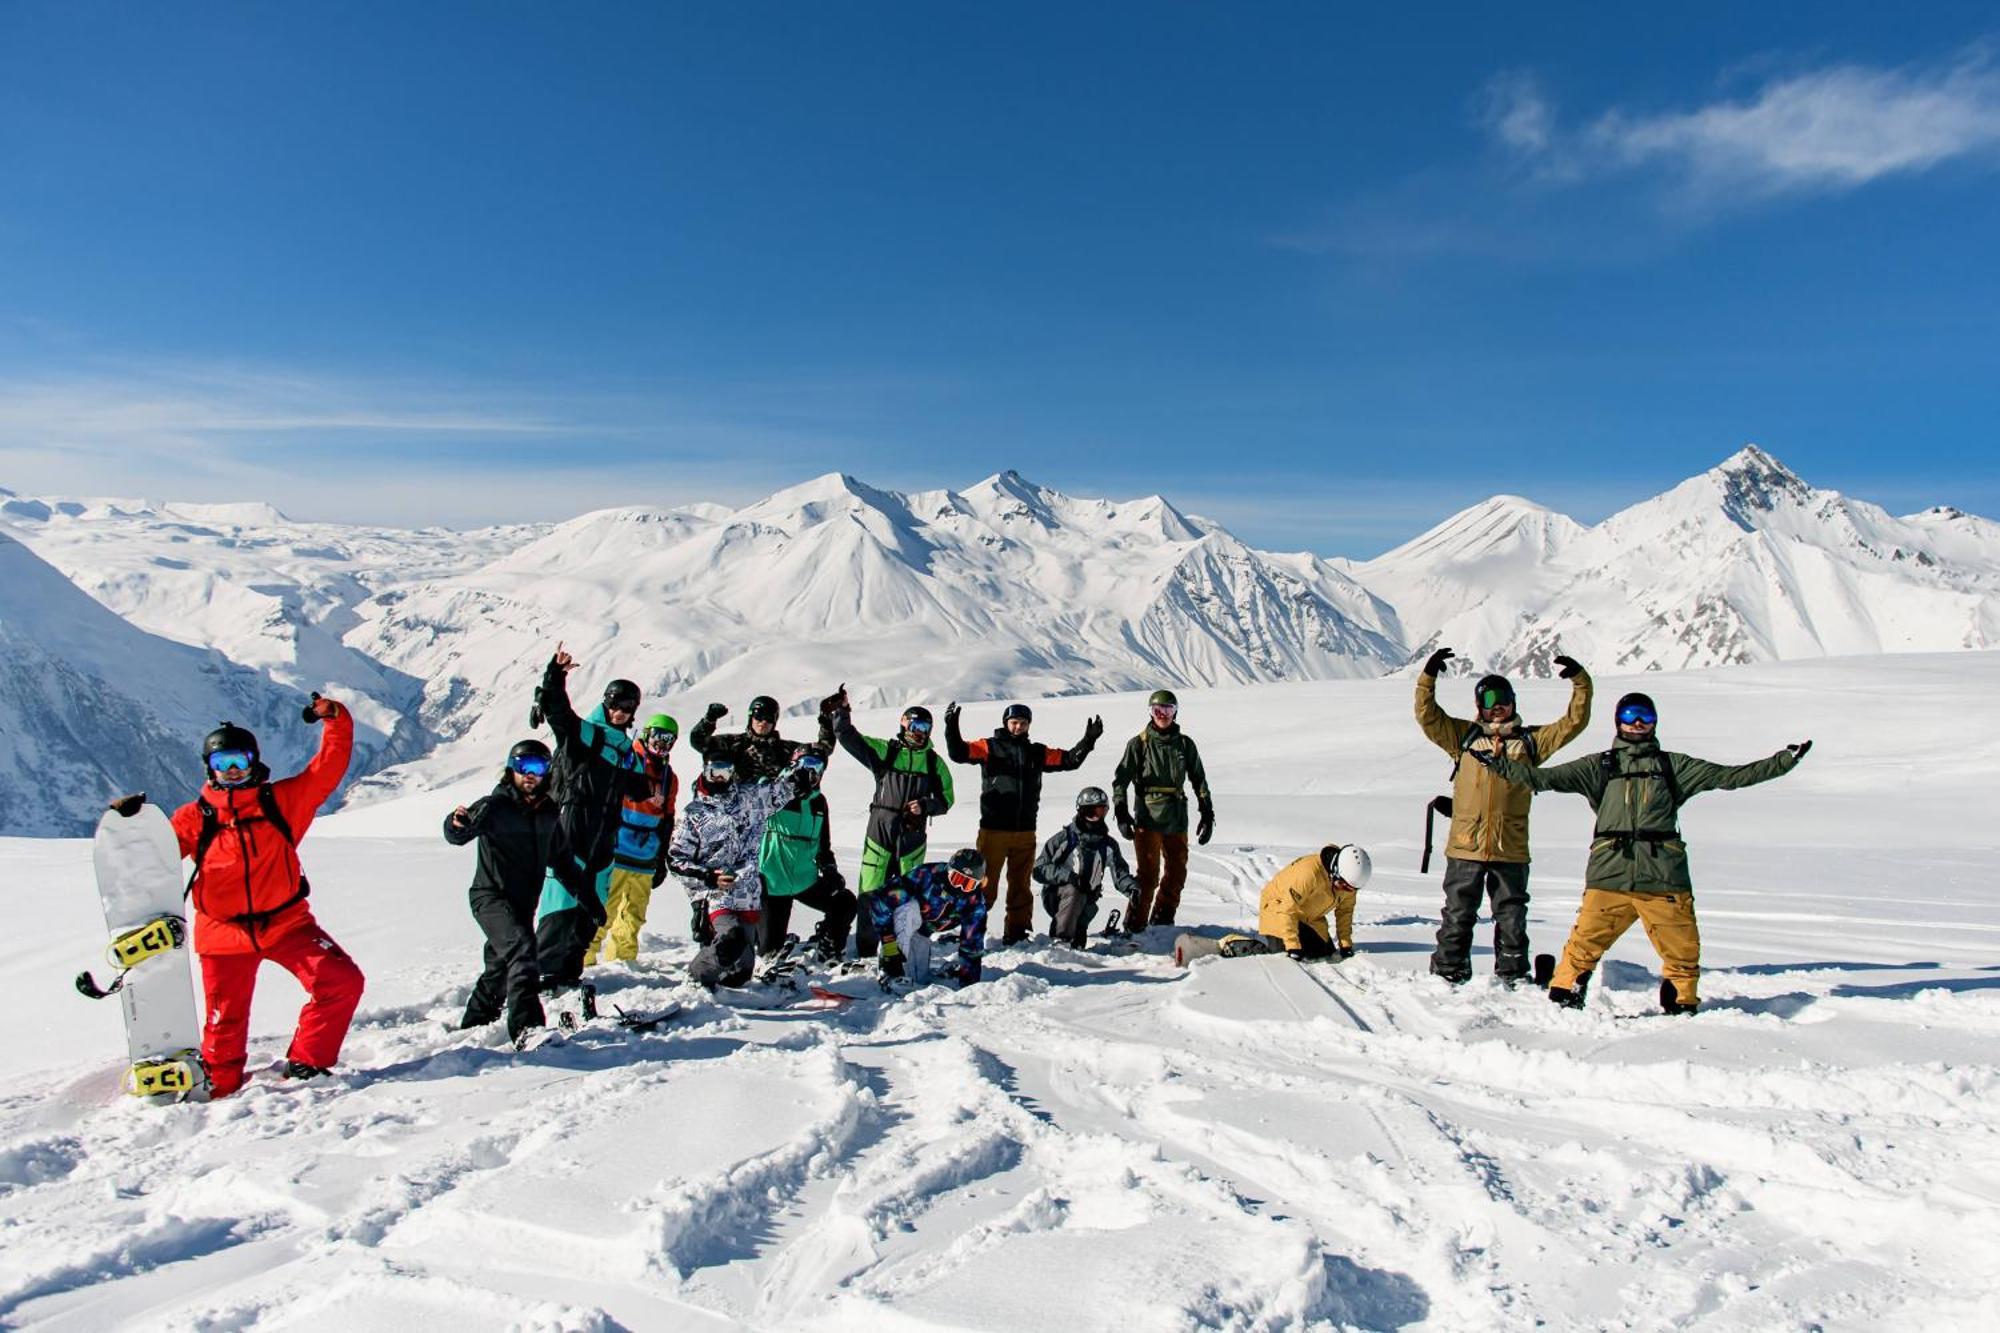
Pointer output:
1670, 1000
1571, 998
1545, 969
299, 1069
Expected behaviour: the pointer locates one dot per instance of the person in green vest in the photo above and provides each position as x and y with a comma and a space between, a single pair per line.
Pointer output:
912, 787
1159, 762
1638, 867
795, 859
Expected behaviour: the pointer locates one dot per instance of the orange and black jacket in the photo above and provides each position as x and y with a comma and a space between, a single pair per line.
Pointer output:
1010, 787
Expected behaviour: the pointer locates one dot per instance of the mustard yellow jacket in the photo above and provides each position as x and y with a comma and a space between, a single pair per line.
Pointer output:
1489, 815
1304, 892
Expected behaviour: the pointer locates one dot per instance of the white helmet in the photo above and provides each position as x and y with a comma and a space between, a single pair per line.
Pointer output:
1351, 866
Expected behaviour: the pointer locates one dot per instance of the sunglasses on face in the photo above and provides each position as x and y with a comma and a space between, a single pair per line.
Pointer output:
231, 761
1633, 715
530, 765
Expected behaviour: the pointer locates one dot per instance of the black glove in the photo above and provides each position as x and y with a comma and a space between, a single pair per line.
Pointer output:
1435, 662
1205, 828
716, 712
1092, 730
1570, 666
1799, 750
593, 907
951, 711
1125, 825
835, 702
319, 708
128, 805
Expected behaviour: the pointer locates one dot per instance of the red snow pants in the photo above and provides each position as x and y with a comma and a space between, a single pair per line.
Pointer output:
333, 989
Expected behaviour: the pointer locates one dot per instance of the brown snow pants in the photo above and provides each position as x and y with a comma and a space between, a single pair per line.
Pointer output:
1607, 913
1151, 849
1016, 852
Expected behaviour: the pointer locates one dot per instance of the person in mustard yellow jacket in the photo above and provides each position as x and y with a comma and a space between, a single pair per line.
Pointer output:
1292, 913
1487, 856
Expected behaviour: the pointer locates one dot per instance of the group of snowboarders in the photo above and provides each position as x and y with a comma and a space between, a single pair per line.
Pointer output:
575, 837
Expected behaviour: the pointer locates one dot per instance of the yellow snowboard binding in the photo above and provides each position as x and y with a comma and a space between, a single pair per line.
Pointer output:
179, 1076
163, 934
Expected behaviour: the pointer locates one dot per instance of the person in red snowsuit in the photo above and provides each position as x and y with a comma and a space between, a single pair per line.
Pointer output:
249, 896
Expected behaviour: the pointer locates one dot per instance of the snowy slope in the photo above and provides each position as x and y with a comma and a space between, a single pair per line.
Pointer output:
92, 706
1745, 563
1097, 1142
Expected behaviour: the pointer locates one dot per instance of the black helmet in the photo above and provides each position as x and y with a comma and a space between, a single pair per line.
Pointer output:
968, 861
621, 694
528, 749
764, 708
1500, 690
1090, 796
917, 718
1642, 708
808, 767
229, 736
1022, 711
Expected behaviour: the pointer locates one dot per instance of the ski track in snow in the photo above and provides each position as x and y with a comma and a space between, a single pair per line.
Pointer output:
1091, 1140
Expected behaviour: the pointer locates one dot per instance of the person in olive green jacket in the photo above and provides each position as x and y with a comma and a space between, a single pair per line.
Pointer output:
1487, 856
1638, 860
1159, 761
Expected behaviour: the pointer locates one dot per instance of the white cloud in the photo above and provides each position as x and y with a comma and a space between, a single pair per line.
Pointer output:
1825, 131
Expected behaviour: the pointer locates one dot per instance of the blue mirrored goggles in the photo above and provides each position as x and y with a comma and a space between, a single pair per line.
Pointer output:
1635, 714
531, 764
919, 726
810, 763
231, 761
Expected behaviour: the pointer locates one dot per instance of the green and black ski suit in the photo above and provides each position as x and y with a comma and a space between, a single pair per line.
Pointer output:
895, 840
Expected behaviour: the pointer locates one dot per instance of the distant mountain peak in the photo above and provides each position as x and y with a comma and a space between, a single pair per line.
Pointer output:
1753, 482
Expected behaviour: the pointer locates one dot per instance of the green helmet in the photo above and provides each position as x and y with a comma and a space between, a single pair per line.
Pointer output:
658, 724
1163, 699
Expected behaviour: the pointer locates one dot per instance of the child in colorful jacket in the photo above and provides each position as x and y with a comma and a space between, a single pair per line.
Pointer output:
932, 897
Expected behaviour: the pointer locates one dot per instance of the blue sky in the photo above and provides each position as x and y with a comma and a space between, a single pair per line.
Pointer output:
1324, 274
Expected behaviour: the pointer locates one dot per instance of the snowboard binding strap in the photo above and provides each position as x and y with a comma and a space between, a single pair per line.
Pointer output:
179, 1076
161, 935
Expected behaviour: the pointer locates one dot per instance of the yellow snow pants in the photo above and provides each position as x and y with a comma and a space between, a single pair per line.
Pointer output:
1607, 913
624, 914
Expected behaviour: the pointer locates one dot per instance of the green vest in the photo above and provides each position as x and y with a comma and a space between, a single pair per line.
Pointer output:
788, 856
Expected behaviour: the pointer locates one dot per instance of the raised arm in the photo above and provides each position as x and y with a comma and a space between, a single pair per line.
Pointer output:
1550, 738
1695, 776
1583, 777
1063, 761
1444, 730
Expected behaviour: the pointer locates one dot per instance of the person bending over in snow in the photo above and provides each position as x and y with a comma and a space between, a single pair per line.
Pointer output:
1292, 912
521, 839
595, 771
912, 786
759, 752
1074, 865
1158, 762
715, 853
1638, 860
249, 896
1487, 856
1010, 794
932, 897
639, 852
795, 861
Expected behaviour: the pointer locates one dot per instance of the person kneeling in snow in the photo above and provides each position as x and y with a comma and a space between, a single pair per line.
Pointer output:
931, 897
715, 853
1074, 865
521, 839
1293, 909
1638, 861
249, 896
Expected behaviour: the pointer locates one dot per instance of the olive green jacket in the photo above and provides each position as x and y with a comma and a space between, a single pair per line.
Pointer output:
1158, 763
1638, 846
1489, 818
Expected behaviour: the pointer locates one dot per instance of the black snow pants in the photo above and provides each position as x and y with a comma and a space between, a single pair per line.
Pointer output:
1071, 908
1466, 883
512, 976
730, 958
561, 940
1312, 944
829, 896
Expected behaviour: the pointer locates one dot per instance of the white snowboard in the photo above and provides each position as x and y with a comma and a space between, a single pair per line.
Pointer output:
138, 863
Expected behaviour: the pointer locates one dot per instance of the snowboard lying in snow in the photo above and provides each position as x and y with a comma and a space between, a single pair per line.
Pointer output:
1267, 988
138, 863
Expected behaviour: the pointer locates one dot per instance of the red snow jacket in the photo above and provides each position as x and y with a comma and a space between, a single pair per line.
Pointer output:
248, 888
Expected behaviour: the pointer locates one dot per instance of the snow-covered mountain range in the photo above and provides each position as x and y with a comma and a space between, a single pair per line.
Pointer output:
1004, 589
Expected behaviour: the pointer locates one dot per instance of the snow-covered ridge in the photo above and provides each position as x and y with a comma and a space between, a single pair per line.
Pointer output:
1003, 589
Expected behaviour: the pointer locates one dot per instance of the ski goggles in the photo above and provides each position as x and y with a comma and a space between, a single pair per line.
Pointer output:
1096, 812
1166, 712
719, 768
1493, 697
1637, 715
810, 763
763, 713
234, 761
963, 882
529, 765
658, 738
918, 726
